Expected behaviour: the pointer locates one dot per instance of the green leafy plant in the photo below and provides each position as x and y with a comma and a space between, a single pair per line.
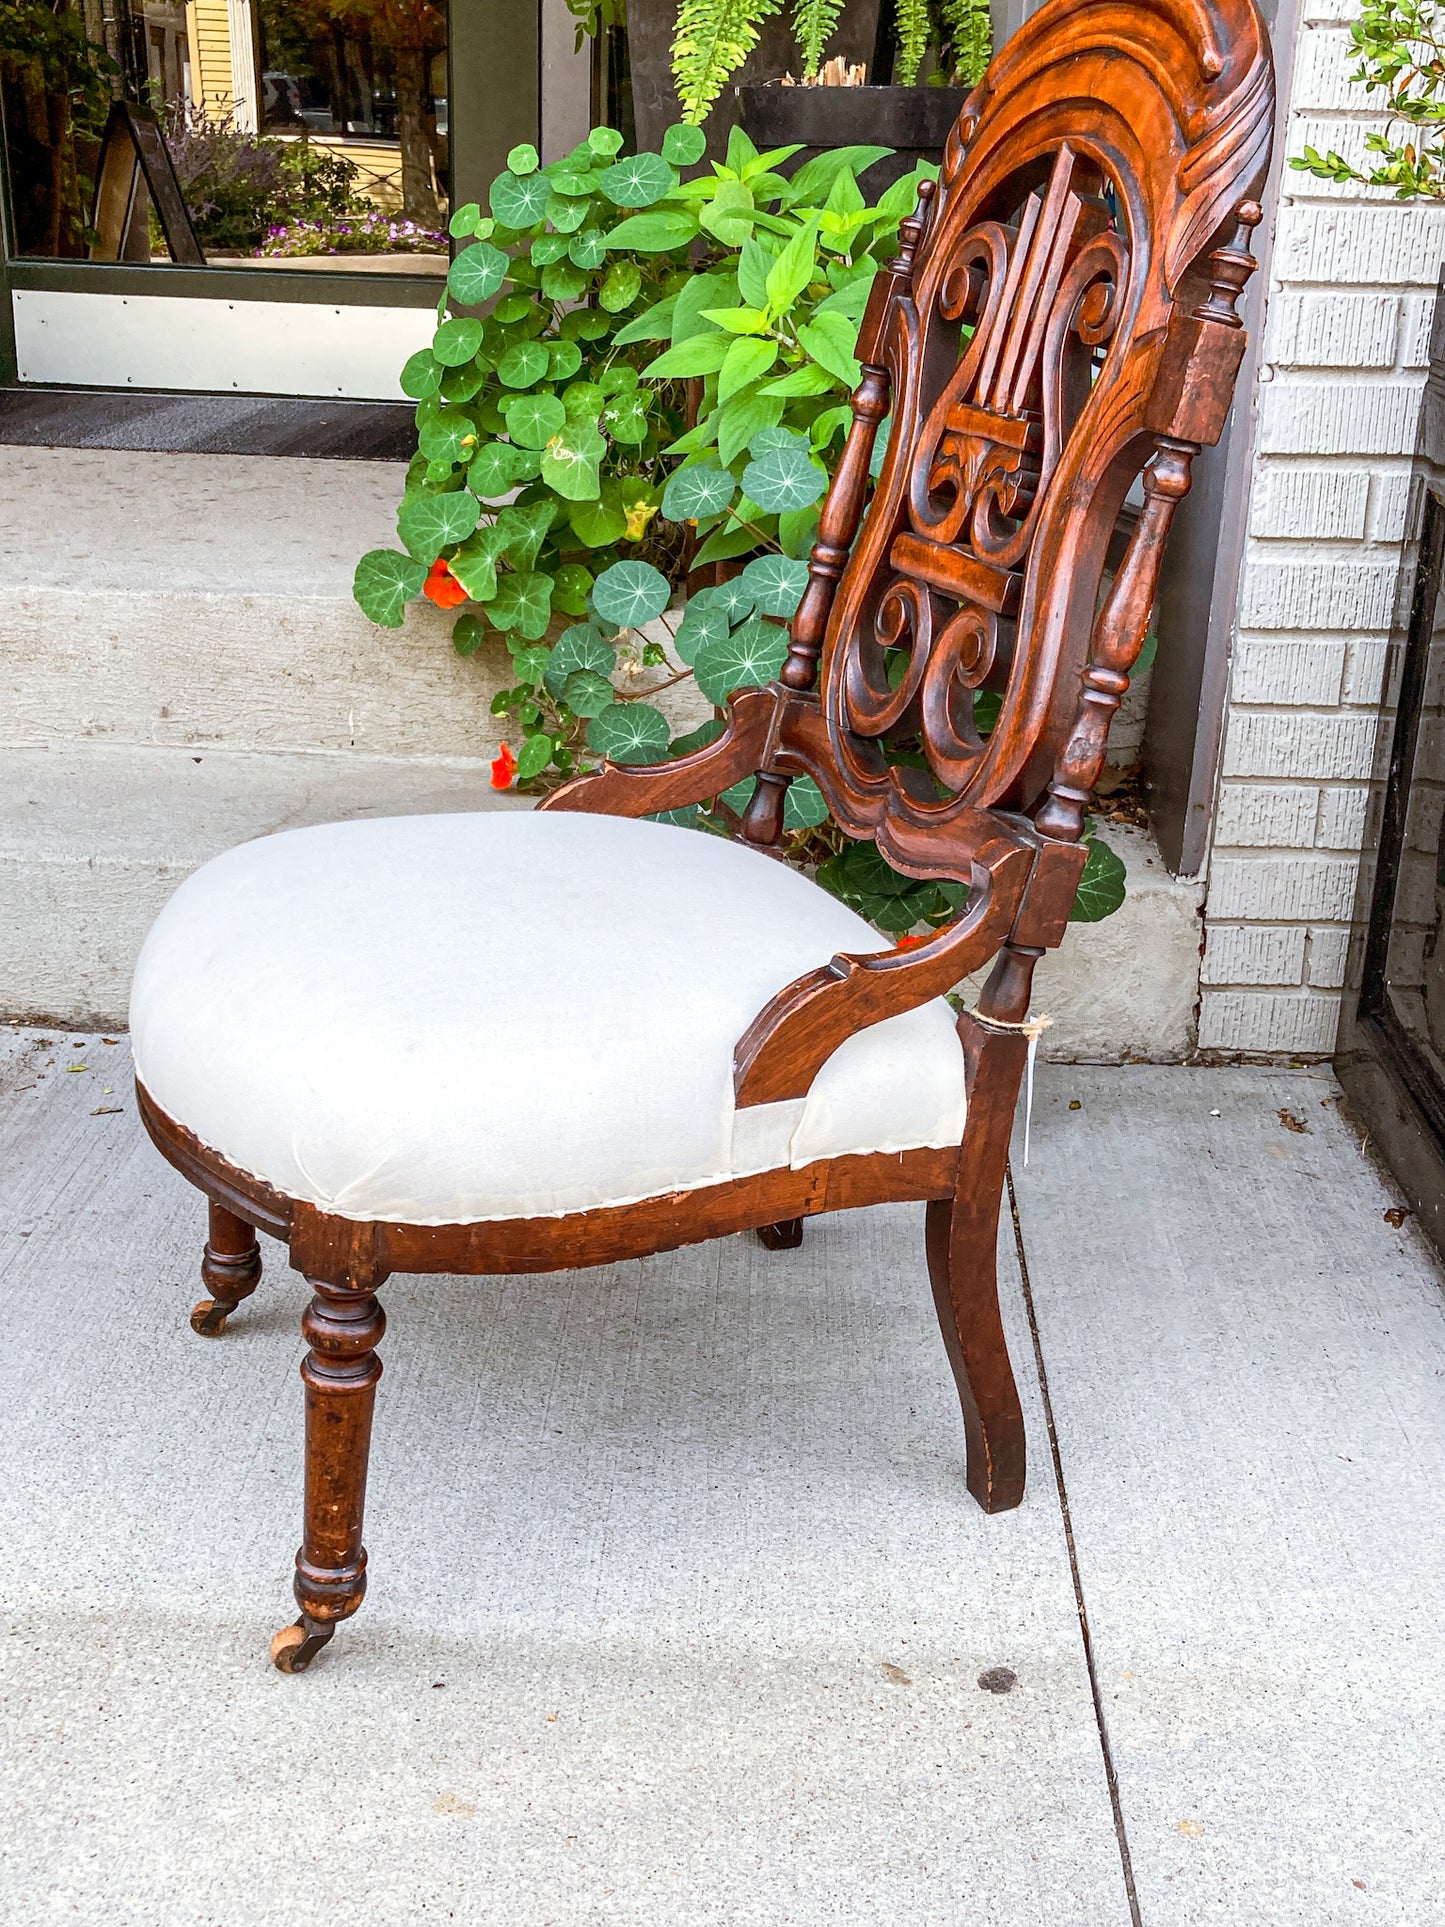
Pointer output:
1401, 54
634, 375
714, 37
630, 369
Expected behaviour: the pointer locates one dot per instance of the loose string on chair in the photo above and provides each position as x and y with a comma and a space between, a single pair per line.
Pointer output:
1033, 1028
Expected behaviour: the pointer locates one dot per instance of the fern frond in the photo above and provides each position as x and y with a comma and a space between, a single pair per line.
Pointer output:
711, 41
813, 24
970, 32
912, 24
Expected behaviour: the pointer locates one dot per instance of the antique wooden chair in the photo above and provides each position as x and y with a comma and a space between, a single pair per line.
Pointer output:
350, 1038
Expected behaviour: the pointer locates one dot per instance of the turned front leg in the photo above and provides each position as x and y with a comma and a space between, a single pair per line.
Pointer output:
230, 1271
344, 1326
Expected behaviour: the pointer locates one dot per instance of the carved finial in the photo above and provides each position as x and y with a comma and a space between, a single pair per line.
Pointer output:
910, 232
1229, 268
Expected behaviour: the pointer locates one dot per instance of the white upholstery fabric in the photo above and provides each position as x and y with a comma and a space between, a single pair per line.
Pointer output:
441, 1019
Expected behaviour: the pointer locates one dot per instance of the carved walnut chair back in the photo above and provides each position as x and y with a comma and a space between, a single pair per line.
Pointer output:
1059, 325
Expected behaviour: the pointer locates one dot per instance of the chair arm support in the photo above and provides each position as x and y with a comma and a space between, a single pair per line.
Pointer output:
640, 789
787, 1043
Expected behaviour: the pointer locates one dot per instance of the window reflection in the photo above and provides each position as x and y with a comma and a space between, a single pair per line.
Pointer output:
275, 133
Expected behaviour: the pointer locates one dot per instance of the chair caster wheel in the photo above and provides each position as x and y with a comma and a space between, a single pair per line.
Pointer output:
294, 1647
209, 1318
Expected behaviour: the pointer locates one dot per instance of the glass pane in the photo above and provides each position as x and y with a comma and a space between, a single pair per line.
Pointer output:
270, 133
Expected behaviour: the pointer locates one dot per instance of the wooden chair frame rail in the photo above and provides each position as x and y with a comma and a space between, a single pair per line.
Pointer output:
1060, 321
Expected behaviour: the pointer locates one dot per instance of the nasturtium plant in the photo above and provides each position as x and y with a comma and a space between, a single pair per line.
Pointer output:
635, 375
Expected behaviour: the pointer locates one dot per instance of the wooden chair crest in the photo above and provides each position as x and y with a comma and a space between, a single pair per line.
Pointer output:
1060, 323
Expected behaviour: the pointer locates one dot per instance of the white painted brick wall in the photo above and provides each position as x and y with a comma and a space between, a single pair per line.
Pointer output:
1347, 333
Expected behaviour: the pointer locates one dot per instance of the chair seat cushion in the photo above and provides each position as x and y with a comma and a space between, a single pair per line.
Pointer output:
446, 1019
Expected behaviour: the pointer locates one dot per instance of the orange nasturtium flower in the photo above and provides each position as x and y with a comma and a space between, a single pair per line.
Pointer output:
911, 942
504, 768
442, 587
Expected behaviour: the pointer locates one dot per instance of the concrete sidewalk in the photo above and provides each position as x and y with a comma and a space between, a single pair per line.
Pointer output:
679, 1605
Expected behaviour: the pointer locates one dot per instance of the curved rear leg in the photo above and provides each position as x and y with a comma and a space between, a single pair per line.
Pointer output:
962, 1234
230, 1269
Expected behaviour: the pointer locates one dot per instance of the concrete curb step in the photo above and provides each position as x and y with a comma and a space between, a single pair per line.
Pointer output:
94, 838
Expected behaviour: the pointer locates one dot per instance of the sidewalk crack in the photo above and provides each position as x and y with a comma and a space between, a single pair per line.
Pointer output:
1121, 1835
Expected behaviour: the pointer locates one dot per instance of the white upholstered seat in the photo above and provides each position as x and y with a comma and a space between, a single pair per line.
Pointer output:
441, 1019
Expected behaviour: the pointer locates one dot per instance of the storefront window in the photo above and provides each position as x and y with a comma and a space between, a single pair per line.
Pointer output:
273, 133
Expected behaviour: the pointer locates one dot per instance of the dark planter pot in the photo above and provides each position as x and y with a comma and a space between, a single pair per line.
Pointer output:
914, 121
650, 27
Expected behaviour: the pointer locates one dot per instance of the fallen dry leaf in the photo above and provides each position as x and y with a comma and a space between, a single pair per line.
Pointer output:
895, 1675
1194, 1828
1396, 1215
1292, 1121
450, 1804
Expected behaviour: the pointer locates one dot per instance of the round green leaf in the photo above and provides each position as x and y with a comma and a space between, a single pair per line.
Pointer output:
586, 693
499, 467
620, 379
804, 807
588, 248
533, 420
548, 248
571, 458
630, 593
563, 282
524, 363
464, 221
572, 584
384, 583
604, 140
699, 627
637, 181
467, 633
783, 478
529, 663
692, 493
448, 437
777, 583
630, 733
599, 524
621, 287
422, 375
578, 648
524, 158
519, 201
534, 756
477, 273
427, 523
767, 438
515, 307
457, 341
625, 419
567, 214
574, 182
682, 145
584, 398
461, 383
523, 602
733, 597
1101, 886
584, 324
752, 655
565, 358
